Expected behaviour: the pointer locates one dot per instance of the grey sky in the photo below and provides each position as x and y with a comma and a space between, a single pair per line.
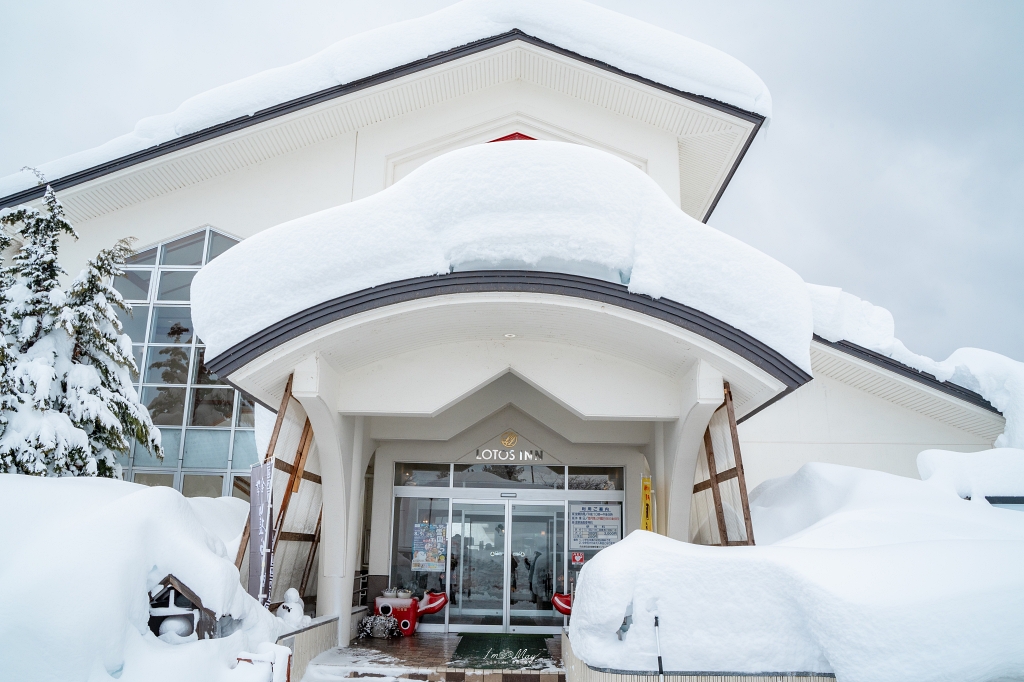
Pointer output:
894, 166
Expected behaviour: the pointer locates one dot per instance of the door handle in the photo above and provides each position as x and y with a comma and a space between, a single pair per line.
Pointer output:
518, 553
497, 553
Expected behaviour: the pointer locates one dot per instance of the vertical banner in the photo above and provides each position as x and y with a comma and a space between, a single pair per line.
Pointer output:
261, 531
646, 520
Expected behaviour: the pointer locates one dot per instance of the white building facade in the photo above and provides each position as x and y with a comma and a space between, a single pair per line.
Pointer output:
469, 427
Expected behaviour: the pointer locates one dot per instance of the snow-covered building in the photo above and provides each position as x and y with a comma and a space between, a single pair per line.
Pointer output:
487, 340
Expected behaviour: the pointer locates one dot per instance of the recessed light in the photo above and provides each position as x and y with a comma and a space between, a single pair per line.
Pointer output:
510, 336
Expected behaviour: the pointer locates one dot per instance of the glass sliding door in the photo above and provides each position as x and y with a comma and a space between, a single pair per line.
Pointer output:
477, 566
419, 546
536, 565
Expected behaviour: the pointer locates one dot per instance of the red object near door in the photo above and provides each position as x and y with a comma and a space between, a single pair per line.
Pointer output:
433, 602
562, 603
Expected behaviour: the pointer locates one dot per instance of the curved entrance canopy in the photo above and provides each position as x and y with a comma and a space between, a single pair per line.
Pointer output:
418, 346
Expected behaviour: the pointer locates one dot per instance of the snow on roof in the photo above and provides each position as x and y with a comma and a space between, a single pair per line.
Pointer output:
524, 205
839, 316
623, 42
866, 574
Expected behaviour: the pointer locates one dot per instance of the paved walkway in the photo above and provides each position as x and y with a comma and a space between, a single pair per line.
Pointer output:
424, 657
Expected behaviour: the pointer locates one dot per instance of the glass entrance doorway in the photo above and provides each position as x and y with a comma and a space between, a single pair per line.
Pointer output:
506, 560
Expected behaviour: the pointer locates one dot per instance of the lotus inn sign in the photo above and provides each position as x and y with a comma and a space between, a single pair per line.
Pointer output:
508, 453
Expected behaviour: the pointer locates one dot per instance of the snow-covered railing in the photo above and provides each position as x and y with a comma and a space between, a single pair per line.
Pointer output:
308, 642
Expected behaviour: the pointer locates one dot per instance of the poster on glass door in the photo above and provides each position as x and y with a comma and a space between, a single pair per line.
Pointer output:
594, 525
429, 545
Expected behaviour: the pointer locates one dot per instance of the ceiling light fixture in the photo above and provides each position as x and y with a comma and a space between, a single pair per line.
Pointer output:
510, 336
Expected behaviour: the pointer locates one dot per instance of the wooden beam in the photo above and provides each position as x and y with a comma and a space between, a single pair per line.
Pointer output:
296, 537
243, 543
308, 570
741, 479
300, 460
280, 419
284, 466
716, 493
300, 453
724, 476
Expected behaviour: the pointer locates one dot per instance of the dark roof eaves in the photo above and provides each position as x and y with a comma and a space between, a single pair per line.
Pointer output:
897, 367
341, 90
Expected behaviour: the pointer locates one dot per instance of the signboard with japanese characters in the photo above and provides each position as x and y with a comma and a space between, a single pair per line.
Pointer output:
429, 546
594, 525
261, 532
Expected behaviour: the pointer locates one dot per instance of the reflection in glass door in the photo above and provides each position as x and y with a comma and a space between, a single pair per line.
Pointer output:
477, 566
536, 565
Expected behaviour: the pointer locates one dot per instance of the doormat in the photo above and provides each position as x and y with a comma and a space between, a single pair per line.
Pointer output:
519, 652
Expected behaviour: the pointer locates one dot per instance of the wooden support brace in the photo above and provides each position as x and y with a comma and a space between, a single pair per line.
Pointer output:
280, 419
724, 476
300, 455
740, 477
308, 570
242, 545
716, 493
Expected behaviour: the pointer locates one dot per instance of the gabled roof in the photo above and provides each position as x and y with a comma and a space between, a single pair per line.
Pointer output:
599, 38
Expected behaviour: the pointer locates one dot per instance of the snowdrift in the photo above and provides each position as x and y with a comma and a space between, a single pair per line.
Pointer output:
623, 42
524, 205
80, 556
868, 575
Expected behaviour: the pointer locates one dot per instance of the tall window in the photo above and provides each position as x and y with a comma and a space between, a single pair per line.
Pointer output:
206, 426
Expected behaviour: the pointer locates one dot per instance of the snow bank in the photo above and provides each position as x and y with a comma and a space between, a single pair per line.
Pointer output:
992, 473
526, 205
868, 575
1000, 380
623, 42
81, 555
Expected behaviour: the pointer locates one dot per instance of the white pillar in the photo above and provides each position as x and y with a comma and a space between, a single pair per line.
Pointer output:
355, 504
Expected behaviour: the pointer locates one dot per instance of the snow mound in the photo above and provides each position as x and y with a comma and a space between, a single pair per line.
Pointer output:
623, 42
1000, 380
525, 205
868, 575
81, 560
992, 473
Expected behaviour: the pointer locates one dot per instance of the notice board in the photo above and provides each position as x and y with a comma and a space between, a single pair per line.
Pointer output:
594, 525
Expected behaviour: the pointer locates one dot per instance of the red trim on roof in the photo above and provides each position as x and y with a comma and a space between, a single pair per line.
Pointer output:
514, 136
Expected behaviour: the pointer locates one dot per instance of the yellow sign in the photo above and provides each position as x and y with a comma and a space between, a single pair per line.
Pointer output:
646, 522
509, 439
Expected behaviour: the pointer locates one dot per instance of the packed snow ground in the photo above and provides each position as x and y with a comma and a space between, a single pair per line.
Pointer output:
869, 575
623, 42
527, 205
839, 315
80, 557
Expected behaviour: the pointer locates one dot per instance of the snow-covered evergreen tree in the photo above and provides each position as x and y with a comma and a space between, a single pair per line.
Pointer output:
68, 404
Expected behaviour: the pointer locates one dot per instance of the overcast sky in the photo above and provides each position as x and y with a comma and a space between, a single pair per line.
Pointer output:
893, 168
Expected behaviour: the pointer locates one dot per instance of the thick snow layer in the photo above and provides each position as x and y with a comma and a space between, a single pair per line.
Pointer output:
975, 475
527, 205
623, 42
81, 555
868, 575
1000, 380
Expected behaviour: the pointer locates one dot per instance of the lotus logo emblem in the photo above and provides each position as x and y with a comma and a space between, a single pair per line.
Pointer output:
509, 439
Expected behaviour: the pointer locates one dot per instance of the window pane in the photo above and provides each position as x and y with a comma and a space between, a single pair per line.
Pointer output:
203, 375
147, 257
166, 480
185, 251
167, 365
212, 406
419, 546
205, 485
218, 245
175, 286
244, 454
171, 325
595, 478
166, 405
428, 475
246, 412
134, 323
240, 487
206, 448
508, 476
170, 439
137, 354
134, 284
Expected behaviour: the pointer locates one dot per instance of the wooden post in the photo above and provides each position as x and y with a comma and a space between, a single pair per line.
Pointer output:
293, 479
242, 545
740, 478
308, 570
280, 420
716, 493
